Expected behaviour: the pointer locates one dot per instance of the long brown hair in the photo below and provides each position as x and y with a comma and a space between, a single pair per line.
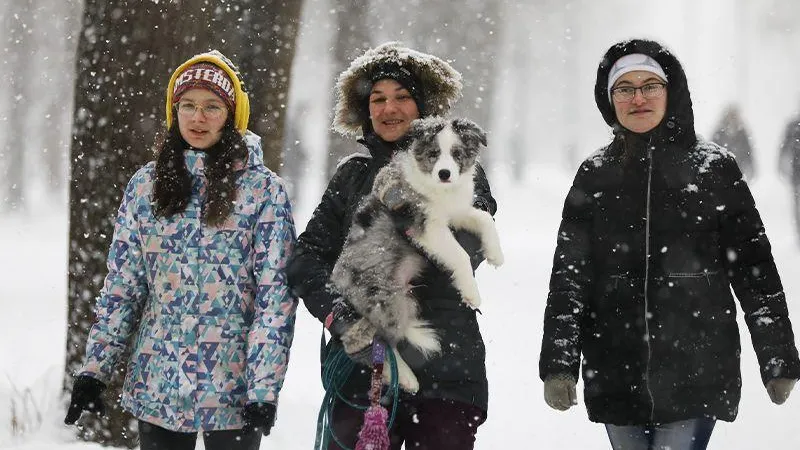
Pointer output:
173, 183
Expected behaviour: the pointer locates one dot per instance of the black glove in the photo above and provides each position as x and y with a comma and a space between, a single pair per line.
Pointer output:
258, 417
86, 393
341, 319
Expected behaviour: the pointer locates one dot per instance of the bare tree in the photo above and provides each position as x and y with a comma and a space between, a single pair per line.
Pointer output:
351, 39
55, 30
465, 33
126, 52
17, 50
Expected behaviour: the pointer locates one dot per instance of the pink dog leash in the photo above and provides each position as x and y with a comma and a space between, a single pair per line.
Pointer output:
374, 434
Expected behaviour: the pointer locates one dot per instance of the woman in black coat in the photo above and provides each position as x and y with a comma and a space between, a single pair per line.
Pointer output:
378, 97
657, 227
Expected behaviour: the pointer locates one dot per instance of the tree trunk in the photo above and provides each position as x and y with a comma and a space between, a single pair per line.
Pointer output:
126, 53
466, 34
18, 49
350, 40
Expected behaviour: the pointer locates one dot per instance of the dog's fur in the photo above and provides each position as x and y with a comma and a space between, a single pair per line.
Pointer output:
430, 184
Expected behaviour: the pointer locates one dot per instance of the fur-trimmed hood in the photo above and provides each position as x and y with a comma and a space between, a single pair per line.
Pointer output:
678, 122
440, 82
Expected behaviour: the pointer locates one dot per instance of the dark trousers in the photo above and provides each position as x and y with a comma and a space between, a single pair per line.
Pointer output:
152, 437
692, 434
421, 424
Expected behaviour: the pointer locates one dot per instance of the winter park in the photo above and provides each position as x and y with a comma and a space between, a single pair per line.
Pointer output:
624, 175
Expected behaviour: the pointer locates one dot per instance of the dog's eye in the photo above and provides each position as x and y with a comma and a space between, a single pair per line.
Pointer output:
458, 153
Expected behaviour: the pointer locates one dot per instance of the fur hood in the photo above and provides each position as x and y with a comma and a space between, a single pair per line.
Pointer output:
440, 82
678, 122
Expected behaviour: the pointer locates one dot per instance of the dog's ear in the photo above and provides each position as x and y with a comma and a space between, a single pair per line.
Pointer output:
469, 131
426, 127
418, 127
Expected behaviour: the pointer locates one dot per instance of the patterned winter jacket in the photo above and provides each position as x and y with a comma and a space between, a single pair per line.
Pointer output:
206, 310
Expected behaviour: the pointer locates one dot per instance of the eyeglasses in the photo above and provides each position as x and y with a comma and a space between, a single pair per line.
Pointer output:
210, 111
625, 94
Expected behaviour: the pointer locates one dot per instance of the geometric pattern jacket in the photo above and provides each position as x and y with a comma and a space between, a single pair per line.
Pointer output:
205, 310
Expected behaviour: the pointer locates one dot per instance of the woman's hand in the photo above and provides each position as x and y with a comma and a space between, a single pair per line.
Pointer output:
259, 417
779, 389
86, 393
559, 392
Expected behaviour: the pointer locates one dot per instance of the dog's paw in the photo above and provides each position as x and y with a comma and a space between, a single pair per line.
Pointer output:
408, 383
358, 337
469, 293
405, 379
494, 256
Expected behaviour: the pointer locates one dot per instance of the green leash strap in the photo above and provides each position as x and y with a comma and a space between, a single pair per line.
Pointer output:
337, 368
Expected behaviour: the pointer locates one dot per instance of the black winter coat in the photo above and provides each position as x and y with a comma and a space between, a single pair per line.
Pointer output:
459, 371
655, 230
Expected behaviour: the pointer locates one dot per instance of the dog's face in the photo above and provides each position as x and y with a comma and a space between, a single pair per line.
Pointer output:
446, 150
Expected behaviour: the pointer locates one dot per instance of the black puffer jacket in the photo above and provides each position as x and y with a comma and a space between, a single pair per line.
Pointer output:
655, 230
459, 371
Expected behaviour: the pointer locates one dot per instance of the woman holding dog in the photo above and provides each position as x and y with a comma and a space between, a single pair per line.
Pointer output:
379, 96
657, 227
196, 287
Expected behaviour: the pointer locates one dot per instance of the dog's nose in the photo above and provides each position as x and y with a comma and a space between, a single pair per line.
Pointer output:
444, 174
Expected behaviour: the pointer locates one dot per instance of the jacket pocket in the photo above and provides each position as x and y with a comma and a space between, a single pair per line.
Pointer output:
705, 275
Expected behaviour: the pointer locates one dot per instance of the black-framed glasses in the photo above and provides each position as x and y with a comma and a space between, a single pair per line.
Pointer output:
625, 94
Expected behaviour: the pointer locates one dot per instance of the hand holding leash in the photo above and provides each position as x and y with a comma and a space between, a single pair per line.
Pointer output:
345, 323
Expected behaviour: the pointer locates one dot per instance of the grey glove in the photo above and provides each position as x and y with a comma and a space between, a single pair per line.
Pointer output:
779, 389
559, 392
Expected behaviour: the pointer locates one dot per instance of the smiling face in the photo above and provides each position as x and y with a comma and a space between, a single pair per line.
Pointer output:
640, 114
391, 109
201, 117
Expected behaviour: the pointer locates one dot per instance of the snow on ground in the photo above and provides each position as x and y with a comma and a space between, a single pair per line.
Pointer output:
33, 290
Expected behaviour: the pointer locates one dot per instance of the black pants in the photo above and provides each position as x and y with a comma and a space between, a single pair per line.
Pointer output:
422, 424
152, 437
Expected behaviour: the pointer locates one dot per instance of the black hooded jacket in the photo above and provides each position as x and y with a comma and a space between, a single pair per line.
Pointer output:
459, 371
655, 230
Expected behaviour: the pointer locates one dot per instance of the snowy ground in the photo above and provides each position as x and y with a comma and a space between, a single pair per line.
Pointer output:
33, 290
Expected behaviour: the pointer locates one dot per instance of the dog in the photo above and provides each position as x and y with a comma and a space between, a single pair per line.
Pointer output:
430, 185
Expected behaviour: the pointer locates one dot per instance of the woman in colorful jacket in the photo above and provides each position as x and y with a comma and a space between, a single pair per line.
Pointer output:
196, 283
657, 227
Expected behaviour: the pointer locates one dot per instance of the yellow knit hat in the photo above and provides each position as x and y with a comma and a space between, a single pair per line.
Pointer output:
241, 115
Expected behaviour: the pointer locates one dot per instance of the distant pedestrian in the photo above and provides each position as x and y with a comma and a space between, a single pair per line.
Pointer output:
789, 164
731, 133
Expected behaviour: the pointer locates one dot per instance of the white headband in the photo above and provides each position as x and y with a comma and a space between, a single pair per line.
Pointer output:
630, 63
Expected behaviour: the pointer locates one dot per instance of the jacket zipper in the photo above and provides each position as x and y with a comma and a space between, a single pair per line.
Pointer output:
706, 274
647, 279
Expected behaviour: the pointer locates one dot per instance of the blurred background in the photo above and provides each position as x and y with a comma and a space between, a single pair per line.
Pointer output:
528, 67
82, 101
